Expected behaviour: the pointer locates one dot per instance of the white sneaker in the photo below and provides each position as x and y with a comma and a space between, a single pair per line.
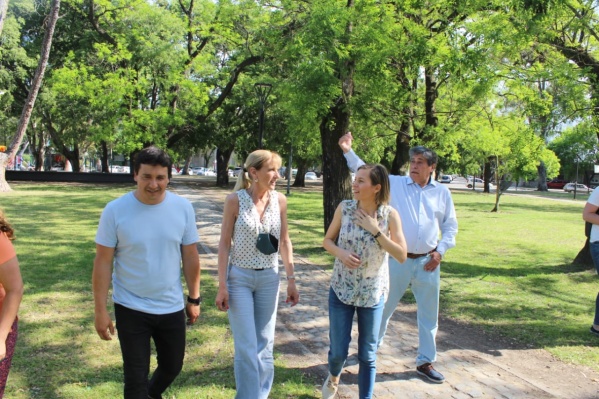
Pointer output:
329, 388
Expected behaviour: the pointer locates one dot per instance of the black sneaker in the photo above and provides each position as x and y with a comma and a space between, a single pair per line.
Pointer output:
593, 331
427, 370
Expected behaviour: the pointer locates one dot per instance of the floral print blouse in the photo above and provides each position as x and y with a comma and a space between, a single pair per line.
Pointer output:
365, 285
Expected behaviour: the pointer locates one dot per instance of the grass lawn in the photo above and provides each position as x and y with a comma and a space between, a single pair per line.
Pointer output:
509, 274
59, 354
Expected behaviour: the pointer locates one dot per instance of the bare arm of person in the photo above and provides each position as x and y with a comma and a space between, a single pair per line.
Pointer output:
348, 258
230, 213
589, 213
191, 270
10, 278
101, 277
287, 253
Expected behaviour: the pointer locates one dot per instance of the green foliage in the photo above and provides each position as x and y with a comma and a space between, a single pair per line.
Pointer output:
576, 144
134, 73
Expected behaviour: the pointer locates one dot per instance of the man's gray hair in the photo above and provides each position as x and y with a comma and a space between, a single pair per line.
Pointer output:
428, 154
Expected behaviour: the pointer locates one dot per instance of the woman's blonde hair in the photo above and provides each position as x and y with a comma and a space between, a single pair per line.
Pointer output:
5, 227
256, 159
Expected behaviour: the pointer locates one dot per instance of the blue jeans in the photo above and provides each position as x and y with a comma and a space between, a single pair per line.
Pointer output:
253, 298
595, 256
135, 329
340, 325
425, 286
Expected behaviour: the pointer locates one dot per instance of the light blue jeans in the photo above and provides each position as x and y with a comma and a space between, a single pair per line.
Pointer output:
425, 286
253, 298
595, 256
340, 324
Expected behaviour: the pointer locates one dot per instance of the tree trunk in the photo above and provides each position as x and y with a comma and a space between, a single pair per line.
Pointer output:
37, 146
430, 97
105, 168
402, 149
487, 176
185, 169
3, 12
584, 256
335, 173
4, 186
336, 179
542, 172
50, 23
302, 168
222, 169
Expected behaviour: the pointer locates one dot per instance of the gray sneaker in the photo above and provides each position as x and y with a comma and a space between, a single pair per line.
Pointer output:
329, 388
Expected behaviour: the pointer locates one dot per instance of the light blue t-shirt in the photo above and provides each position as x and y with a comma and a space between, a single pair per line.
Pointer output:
147, 259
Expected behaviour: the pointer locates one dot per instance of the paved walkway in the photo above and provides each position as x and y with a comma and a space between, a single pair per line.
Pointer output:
302, 337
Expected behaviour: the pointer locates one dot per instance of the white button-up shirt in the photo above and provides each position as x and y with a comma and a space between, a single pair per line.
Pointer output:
427, 213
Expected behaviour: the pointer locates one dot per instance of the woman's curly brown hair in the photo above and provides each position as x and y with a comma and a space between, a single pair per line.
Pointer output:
5, 227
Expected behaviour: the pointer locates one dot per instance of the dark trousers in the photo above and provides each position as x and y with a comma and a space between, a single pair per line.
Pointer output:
135, 329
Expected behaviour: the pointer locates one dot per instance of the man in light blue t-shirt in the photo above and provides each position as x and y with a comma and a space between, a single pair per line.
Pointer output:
143, 238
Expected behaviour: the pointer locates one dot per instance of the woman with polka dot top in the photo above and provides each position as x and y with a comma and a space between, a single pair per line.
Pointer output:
248, 279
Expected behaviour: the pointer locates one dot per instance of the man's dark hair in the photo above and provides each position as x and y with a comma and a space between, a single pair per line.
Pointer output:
428, 154
154, 156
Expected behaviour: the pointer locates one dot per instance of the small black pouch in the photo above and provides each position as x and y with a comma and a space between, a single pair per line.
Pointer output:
267, 243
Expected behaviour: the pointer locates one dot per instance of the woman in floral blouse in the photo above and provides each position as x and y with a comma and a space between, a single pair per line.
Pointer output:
362, 234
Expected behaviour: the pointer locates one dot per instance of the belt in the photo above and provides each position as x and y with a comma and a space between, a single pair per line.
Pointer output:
416, 256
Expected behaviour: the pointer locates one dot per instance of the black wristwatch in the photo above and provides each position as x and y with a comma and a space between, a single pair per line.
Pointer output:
197, 301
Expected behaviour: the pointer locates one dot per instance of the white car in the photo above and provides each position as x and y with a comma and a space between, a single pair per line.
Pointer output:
579, 187
310, 176
236, 171
477, 181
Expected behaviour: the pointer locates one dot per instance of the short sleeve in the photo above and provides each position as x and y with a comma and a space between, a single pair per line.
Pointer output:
191, 231
106, 234
594, 197
7, 251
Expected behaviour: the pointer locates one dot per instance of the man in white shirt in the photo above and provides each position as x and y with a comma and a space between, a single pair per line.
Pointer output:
426, 209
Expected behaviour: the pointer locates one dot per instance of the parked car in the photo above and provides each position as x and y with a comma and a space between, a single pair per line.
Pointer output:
310, 176
579, 187
446, 179
557, 183
477, 181
236, 171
